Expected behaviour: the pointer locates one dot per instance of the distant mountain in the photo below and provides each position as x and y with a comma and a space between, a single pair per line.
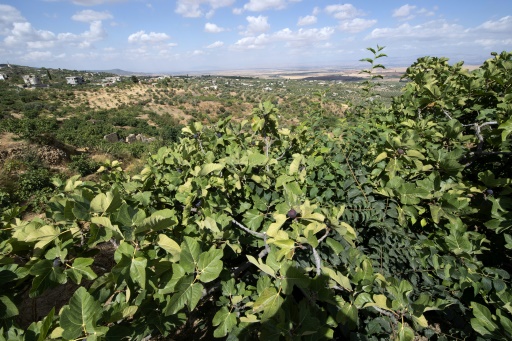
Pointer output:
120, 72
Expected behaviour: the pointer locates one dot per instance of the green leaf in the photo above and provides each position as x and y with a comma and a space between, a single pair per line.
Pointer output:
47, 276
410, 194
458, 242
209, 168
188, 293
81, 267
170, 246
7, 308
190, 251
257, 159
209, 265
43, 236
295, 165
482, 322
106, 202
405, 333
225, 320
138, 271
380, 157
269, 301
347, 315
253, 219
335, 245
339, 278
507, 129
80, 316
274, 227
177, 273
262, 266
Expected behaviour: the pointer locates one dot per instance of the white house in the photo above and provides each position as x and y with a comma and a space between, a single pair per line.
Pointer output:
75, 80
111, 79
3, 77
31, 80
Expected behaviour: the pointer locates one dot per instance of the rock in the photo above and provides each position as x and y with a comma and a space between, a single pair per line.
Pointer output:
111, 137
51, 155
131, 138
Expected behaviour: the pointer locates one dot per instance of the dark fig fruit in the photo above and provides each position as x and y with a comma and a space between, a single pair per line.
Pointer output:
292, 214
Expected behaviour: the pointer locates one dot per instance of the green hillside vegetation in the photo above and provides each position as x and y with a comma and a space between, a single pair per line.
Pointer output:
372, 214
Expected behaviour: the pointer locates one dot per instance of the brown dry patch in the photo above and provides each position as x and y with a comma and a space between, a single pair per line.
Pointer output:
8, 141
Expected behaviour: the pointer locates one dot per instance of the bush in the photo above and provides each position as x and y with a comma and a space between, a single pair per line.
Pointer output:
83, 165
33, 181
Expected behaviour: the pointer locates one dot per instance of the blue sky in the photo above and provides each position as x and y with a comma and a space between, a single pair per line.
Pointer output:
191, 35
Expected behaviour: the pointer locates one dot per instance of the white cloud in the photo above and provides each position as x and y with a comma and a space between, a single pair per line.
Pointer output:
490, 43
143, 37
197, 52
90, 2
404, 11
503, 25
300, 38
24, 33
356, 25
8, 16
426, 12
238, 11
215, 45
252, 42
212, 28
90, 15
316, 11
41, 55
432, 30
256, 25
307, 20
194, 8
263, 5
343, 12
303, 36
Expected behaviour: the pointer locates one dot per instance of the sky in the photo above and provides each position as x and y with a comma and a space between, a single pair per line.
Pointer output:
209, 35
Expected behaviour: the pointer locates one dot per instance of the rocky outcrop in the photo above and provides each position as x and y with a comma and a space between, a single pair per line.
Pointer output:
111, 137
51, 155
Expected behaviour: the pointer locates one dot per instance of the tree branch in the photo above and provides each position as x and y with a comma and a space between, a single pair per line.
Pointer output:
254, 233
324, 236
447, 114
261, 235
318, 261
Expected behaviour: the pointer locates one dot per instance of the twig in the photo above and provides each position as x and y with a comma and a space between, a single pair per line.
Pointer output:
387, 313
235, 274
478, 133
282, 155
447, 114
318, 261
267, 248
324, 236
254, 233
201, 145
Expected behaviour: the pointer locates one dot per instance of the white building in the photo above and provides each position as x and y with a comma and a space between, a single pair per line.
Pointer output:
31, 80
75, 80
3, 77
111, 80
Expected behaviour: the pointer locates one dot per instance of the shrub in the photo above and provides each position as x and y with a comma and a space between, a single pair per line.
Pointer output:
83, 165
